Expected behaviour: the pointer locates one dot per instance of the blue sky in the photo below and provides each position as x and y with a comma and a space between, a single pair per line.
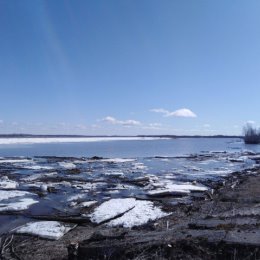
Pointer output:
129, 67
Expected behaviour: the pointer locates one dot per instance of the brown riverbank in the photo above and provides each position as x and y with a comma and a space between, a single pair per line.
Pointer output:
222, 225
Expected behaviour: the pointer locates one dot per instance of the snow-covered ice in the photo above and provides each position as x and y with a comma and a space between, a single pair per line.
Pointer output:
111, 209
143, 212
86, 204
15, 160
67, 165
5, 195
140, 166
130, 212
16, 200
46, 229
5, 183
117, 160
20, 204
114, 174
171, 188
76, 197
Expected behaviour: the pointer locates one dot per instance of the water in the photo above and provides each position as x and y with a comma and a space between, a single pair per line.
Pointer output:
128, 148
135, 168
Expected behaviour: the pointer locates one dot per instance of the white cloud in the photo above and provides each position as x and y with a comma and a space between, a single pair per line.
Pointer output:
114, 121
251, 122
109, 119
207, 125
183, 112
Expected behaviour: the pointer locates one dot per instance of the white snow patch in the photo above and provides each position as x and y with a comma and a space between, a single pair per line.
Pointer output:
76, 197
20, 204
111, 209
5, 183
5, 195
186, 186
45, 229
171, 188
87, 204
115, 174
15, 160
118, 160
143, 212
16, 200
140, 166
67, 165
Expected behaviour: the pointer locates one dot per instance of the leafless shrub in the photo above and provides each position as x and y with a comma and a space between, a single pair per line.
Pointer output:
251, 134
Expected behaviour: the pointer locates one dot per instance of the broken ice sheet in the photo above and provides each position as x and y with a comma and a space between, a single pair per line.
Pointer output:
6, 183
143, 212
16, 200
67, 165
126, 212
111, 209
46, 229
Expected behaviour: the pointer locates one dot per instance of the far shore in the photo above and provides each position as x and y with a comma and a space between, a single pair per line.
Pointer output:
114, 136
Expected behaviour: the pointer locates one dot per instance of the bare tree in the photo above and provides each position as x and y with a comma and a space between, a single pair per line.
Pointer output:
252, 134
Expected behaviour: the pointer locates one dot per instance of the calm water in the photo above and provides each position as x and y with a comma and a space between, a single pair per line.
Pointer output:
129, 148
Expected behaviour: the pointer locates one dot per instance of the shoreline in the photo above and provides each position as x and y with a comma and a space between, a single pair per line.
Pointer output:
220, 225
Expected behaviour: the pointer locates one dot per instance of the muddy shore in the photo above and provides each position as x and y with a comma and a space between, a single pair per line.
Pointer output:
222, 224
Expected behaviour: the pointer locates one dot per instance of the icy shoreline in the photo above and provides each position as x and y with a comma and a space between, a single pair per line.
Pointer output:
116, 192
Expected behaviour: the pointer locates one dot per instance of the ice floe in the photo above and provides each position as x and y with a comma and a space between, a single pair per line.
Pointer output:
127, 212
16, 200
176, 189
76, 197
117, 160
5, 195
111, 209
87, 204
67, 165
5, 183
143, 212
46, 229
20, 204
15, 161
114, 174
140, 166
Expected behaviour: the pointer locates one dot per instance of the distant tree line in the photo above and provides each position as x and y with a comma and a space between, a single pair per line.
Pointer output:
251, 134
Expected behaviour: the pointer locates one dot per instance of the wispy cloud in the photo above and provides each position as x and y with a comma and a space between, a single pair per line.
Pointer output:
183, 112
1, 121
114, 121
